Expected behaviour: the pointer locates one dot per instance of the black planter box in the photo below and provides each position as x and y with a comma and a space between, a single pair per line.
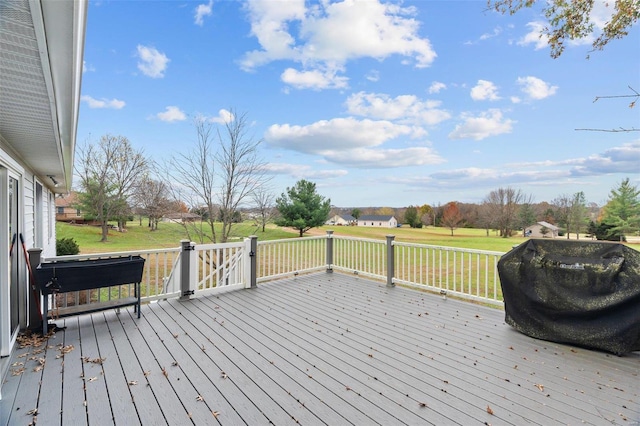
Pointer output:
78, 275
585, 293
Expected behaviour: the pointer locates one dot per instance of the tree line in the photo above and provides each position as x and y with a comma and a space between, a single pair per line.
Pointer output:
223, 177
507, 211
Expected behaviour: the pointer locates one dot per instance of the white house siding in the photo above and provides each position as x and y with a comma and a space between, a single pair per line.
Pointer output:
378, 223
13, 168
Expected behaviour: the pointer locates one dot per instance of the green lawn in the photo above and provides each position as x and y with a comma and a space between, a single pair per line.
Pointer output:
139, 237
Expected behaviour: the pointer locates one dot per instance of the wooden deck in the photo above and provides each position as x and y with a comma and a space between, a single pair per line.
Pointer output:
319, 349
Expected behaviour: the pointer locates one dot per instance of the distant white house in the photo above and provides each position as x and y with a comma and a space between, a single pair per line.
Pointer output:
381, 221
541, 229
341, 219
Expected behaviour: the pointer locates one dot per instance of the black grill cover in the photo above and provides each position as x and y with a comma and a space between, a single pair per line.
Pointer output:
585, 293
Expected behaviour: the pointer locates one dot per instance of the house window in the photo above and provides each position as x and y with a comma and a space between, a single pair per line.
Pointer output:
60, 210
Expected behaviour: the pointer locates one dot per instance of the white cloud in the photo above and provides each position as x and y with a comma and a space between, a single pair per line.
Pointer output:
535, 36
384, 158
331, 34
103, 103
314, 79
203, 10
373, 75
86, 67
437, 87
152, 62
352, 142
224, 116
535, 88
335, 134
484, 90
303, 171
404, 108
171, 114
489, 123
496, 32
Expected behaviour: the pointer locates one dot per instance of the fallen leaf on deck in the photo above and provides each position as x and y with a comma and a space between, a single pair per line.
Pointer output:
489, 410
215, 414
32, 412
17, 372
539, 386
199, 398
133, 383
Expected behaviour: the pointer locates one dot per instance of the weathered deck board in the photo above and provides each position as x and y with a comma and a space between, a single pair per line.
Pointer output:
318, 349
96, 393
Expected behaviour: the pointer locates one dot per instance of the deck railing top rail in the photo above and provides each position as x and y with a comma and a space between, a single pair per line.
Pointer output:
449, 248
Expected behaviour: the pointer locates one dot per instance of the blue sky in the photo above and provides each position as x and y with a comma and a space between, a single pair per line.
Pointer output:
380, 103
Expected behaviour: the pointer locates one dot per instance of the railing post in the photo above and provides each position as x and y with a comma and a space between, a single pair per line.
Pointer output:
34, 317
329, 251
390, 261
253, 261
185, 270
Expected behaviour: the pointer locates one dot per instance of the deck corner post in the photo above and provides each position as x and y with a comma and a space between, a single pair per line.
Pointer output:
186, 290
329, 251
390, 261
34, 316
253, 261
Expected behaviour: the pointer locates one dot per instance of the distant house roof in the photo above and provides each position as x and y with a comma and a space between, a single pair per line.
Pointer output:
347, 217
67, 200
548, 225
383, 218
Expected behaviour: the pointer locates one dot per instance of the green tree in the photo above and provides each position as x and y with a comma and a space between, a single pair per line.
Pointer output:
527, 215
622, 211
425, 213
578, 214
572, 20
411, 217
302, 208
356, 213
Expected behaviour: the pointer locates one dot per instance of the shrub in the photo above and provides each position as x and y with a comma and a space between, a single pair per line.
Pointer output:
66, 246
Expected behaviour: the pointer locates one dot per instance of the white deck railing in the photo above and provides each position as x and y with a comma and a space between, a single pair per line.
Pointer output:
219, 267
465, 273
191, 268
279, 258
360, 256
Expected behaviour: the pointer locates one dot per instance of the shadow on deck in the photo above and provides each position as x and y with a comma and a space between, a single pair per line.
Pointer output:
317, 349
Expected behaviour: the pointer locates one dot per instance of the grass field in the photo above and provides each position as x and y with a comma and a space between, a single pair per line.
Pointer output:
139, 237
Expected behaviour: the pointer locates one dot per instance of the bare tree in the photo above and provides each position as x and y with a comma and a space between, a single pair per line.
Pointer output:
502, 205
151, 196
218, 175
264, 202
108, 173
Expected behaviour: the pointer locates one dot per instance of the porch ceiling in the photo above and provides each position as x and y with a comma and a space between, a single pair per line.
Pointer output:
41, 47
